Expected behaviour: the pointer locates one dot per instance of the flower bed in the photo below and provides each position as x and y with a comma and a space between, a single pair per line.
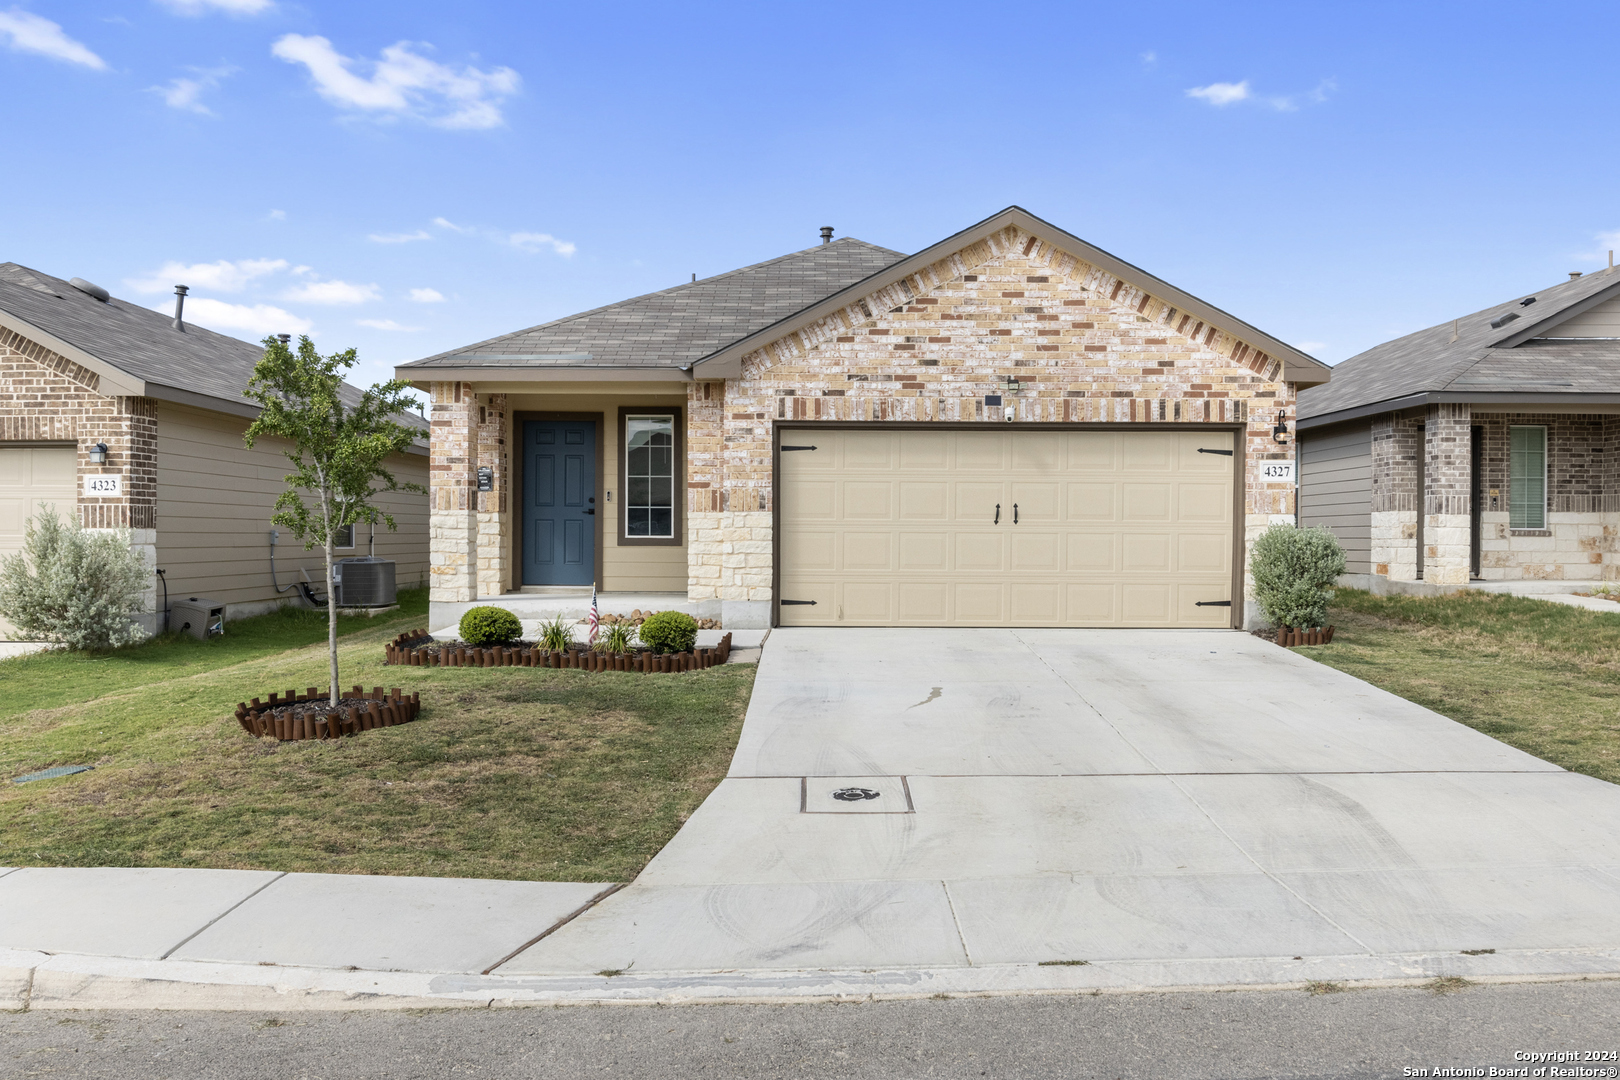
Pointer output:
417, 649
292, 716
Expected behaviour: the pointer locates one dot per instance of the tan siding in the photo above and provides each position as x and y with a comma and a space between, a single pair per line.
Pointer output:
1336, 489
631, 567
1602, 321
215, 498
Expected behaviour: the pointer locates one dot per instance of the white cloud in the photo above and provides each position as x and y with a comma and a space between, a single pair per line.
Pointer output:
427, 296
399, 237
525, 241
278, 215
452, 226
403, 83
332, 292
1149, 58
387, 324
1221, 93
183, 92
27, 32
255, 319
230, 7
221, 276
1310, 346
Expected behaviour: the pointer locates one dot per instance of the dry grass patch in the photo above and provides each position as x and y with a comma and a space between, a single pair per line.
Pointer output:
1539, 676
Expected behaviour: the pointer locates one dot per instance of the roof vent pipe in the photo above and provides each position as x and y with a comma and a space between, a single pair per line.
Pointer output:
826, 234
180, 307
1573, 274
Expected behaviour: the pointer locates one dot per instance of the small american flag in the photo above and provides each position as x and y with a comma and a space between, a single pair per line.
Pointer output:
595, 620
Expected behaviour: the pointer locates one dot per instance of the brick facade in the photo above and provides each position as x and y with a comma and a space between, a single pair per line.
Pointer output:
1085, 347
453, 493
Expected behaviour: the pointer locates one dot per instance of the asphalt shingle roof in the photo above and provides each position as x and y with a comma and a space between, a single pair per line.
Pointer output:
1429, 361
135, 339
675, 327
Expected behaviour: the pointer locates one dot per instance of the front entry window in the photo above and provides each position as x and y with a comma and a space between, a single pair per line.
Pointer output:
1527, 479
650, 477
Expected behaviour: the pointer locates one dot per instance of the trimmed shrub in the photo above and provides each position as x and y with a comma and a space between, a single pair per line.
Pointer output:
668, 631
1294, 571
74, 587
489, 626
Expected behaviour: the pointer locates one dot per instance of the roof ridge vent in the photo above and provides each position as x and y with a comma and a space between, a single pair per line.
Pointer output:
90, 288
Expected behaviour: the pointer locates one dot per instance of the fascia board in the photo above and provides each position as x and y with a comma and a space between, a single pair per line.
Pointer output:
115, 381
421, 376
1540, 327
1298, 367
1489, 400
208, 402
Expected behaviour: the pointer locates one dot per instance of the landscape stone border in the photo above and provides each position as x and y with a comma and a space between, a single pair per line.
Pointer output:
279, 719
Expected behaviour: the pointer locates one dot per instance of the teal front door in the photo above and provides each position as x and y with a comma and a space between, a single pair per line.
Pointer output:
559, 502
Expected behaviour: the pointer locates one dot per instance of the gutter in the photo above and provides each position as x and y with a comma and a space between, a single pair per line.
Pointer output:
1451, 397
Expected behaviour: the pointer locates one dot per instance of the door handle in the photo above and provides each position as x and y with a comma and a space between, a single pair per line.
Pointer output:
591, 511
998, 515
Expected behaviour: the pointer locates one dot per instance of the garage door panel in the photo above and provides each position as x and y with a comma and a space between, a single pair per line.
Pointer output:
14, 513
1113, 528
33, 481
923, 552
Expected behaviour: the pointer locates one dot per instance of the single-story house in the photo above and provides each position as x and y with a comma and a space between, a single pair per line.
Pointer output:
130, 418
1009, 428
1480, 450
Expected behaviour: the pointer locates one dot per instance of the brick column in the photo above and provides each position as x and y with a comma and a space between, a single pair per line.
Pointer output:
453, 484
128, 426
1447, 501
705, 482
494, 541
1396, 444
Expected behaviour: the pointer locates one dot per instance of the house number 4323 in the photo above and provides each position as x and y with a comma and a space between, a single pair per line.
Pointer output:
102, 486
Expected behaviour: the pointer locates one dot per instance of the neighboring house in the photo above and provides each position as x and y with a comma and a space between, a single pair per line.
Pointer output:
1482, 449
80, 371
1010, 428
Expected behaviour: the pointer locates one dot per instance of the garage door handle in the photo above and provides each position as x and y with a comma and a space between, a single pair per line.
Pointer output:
1015, 513
812, 603
1212, 603
1223, 453
998, 515
787, 448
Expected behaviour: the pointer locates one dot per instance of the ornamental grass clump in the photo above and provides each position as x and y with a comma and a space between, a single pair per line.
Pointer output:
669, 632
616, 638
556, 635
1294, 571
72, 586
489, 625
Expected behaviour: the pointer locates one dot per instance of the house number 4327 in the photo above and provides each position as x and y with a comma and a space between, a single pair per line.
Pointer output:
1277, 470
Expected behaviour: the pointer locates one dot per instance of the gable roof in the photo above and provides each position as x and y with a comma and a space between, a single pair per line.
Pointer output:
1469, 358
669, 330
1298, 367
136, 351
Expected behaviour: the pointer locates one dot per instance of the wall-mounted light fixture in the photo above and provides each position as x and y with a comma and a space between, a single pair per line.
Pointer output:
1013, 385
1280, 432
98, 454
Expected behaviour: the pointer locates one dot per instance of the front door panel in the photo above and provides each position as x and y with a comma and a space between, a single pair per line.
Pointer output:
559, 502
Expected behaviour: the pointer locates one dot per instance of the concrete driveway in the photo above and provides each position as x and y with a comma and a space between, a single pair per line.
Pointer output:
1071, 795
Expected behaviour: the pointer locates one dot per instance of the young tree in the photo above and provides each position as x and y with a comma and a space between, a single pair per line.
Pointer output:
337, 449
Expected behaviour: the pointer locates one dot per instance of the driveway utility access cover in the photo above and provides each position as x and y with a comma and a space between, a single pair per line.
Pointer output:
1185, 796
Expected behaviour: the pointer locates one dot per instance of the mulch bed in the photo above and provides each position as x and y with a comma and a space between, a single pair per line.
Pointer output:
309, 715
416, 648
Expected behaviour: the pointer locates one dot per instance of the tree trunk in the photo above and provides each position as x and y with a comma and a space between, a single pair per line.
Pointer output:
331, 619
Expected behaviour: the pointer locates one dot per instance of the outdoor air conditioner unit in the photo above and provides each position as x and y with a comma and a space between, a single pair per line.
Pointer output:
200, 618
366, 581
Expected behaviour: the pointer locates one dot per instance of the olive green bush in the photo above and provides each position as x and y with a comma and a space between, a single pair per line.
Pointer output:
489, 625
1294, 571
668, 631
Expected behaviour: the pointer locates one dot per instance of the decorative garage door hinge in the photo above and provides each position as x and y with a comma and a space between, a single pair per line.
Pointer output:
1201, 450
787, 448
812, 603
1212, 603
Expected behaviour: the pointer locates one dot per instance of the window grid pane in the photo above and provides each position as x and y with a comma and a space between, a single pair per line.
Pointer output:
650, 477
1527, 478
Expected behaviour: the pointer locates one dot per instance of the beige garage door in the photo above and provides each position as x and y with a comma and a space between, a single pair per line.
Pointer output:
906, 527
31, 477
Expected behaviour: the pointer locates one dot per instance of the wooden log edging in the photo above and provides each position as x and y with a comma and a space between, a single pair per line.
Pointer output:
416, 649
260, 719
1290, 636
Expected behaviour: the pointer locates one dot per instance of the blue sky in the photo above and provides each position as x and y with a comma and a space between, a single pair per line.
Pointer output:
409, 177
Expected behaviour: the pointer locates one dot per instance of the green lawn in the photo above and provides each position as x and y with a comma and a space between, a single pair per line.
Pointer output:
510, 772
1537, 675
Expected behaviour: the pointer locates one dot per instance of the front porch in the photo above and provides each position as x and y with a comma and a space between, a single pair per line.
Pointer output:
1464, 495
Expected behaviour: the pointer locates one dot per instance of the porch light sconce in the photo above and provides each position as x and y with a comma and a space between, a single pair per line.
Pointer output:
98, 454
1013, 385
1280, 432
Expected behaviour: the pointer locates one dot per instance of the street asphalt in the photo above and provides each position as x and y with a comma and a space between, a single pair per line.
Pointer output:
1359, 1033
